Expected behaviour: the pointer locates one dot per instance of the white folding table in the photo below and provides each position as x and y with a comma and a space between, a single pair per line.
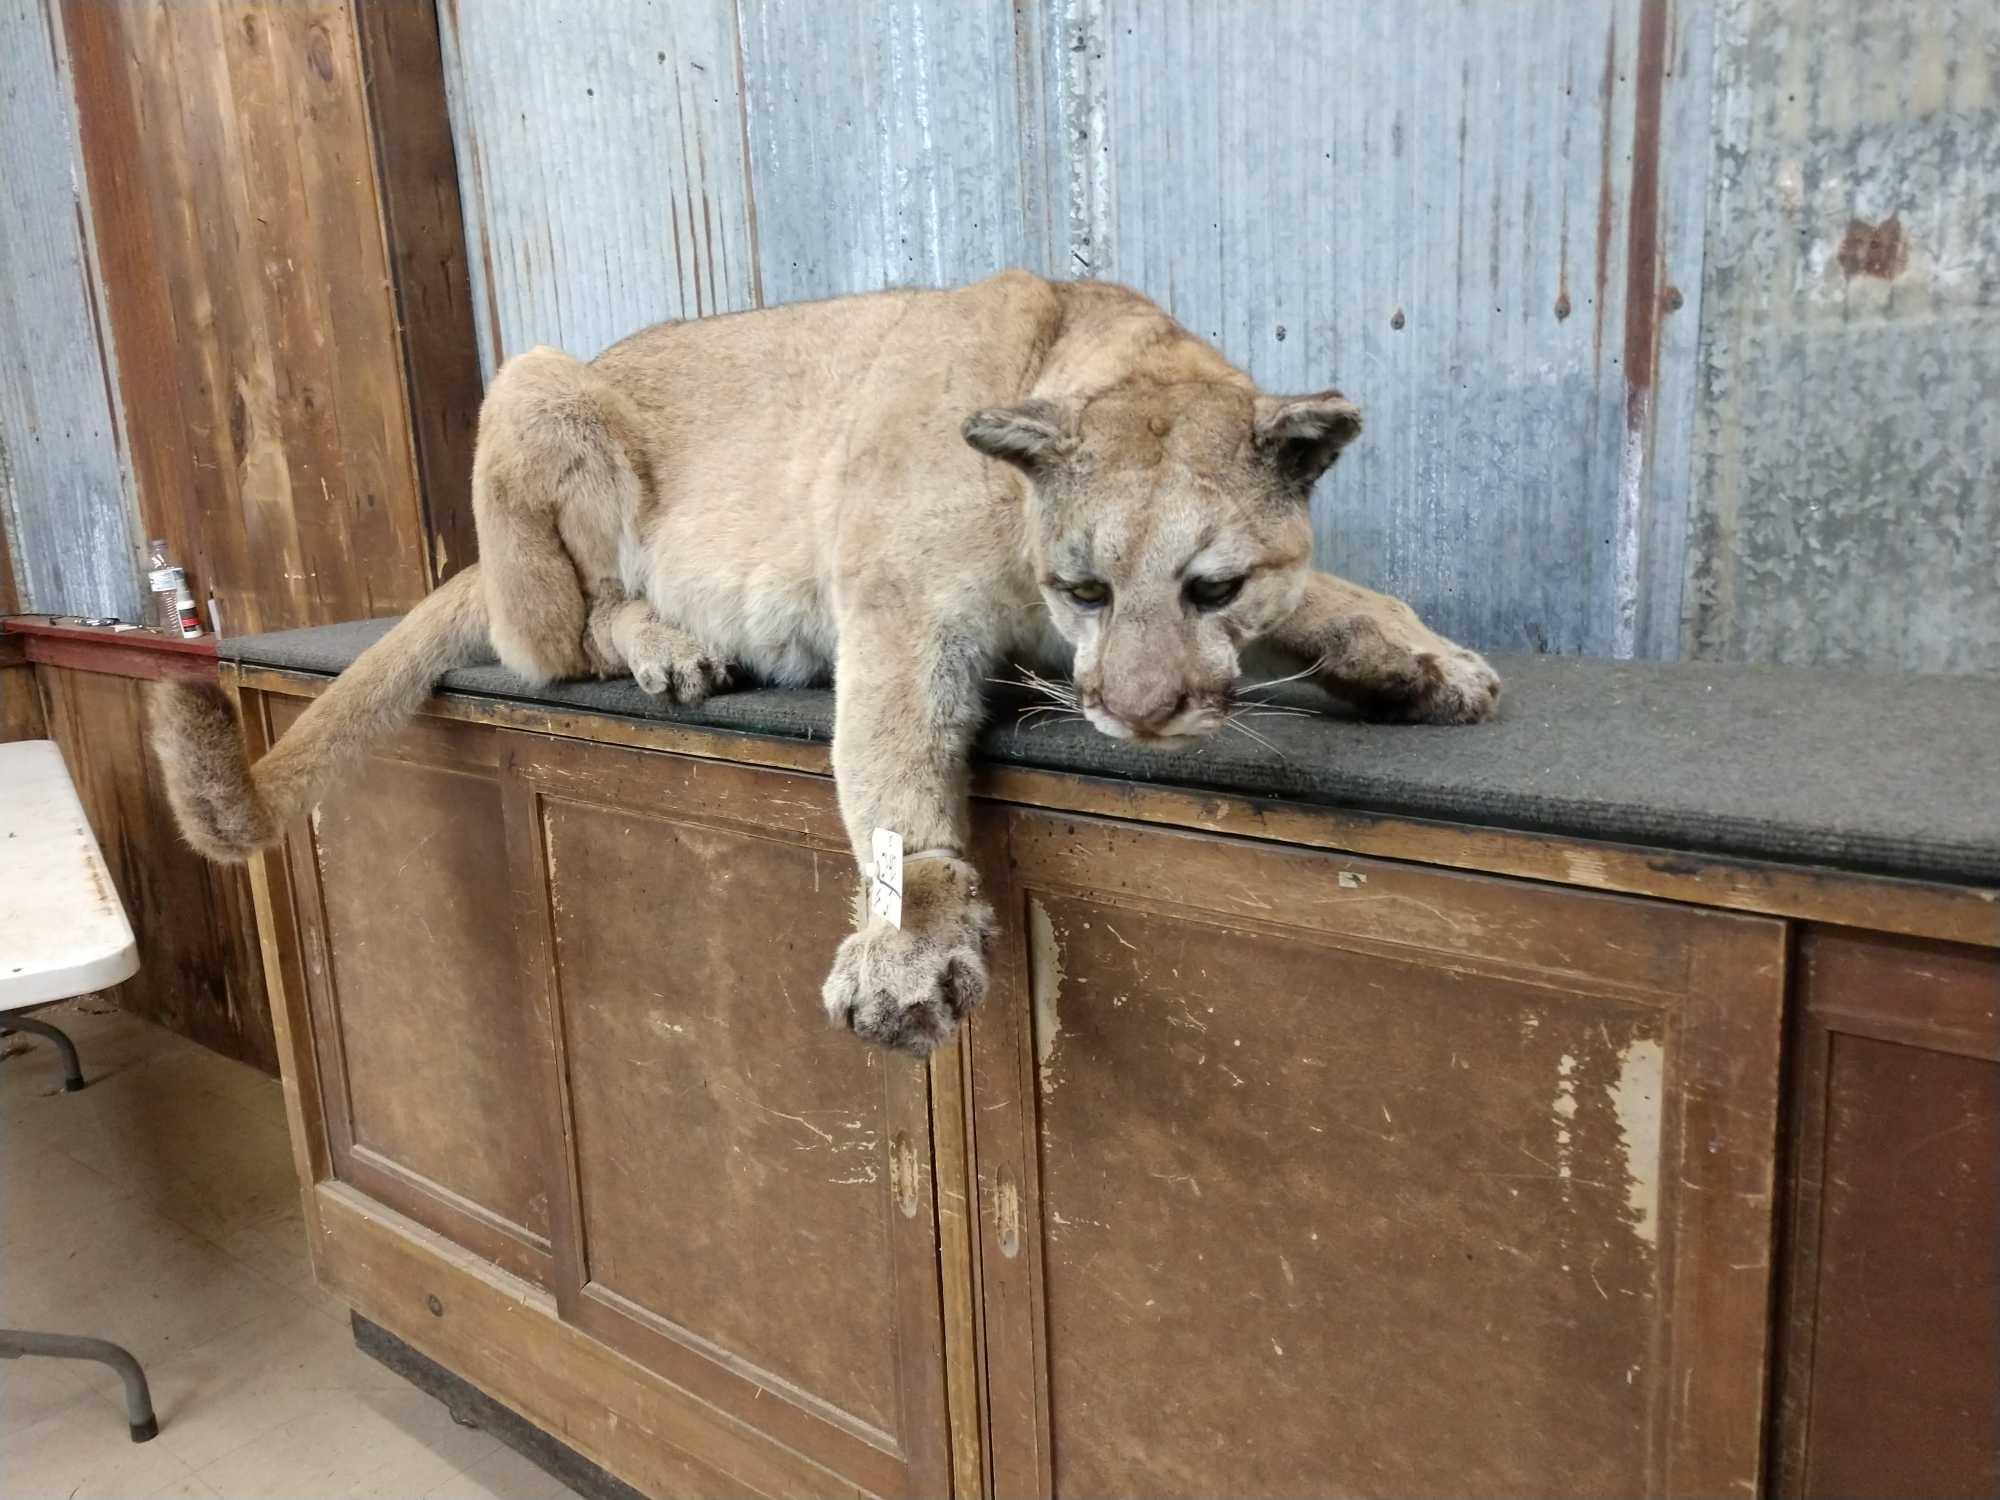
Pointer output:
63, 933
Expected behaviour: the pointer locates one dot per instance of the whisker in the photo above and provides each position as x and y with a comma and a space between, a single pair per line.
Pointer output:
1034, 685
1244, 729
1236, 698
1051, 715
1259, 706
1035, 682
1302, 673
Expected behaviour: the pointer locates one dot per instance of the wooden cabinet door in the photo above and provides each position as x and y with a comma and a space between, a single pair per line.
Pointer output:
1891, 1361
1307, 1175
431, 1051
744, 1196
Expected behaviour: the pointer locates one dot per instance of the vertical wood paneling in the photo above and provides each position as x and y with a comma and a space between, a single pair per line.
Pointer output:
10, 587
20, 701
233, 184
200, 973
417, 176
62, 477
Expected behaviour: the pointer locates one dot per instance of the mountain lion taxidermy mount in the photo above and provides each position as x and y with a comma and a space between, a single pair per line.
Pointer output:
906, 491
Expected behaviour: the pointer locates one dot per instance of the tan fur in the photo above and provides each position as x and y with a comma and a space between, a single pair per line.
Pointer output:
228, 809
900, 490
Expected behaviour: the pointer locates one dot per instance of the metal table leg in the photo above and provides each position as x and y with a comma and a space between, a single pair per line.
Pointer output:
72, 1069
14, 1342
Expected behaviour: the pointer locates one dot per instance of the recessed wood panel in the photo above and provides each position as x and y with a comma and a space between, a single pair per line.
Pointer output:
440, 1052
752, 1208
1243, 1137
1892, 1339
1373, 1162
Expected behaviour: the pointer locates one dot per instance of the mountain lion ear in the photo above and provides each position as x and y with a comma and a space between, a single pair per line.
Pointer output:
1301, 435
1033, 436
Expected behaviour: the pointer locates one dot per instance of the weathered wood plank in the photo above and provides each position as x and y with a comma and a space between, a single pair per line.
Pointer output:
233, 180
416, 168
20, 700
134, 239
199, 968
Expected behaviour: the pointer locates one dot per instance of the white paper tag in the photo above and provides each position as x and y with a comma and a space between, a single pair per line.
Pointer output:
885, 877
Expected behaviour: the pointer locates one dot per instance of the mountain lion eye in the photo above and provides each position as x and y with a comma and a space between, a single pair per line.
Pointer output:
1213, 593
1088, 593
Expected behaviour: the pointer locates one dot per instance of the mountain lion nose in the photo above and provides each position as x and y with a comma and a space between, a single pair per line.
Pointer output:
1147, 713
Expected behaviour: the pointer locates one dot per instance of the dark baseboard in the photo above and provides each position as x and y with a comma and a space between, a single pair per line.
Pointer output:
471, 1407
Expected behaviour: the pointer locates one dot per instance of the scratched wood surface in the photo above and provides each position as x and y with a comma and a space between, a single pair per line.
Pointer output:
233, 184
199, 969
1890, 1379
20, 699
1285, 1158
1580, 1095
750, 1202
590, 1097
432, 1053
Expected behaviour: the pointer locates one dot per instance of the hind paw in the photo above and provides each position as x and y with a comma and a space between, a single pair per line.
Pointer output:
680, 671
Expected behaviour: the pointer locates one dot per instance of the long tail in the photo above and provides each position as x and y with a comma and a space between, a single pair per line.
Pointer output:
229, 809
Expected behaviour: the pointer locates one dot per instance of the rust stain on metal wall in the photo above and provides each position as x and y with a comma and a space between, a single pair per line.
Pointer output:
1847, 503
1874, 249
1642, 310
1606, 92
1642, 246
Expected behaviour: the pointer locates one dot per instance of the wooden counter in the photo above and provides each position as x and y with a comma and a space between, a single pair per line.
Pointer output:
1301, 1147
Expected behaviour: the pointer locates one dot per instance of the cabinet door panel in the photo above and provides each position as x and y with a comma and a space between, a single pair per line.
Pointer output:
431, 1050
1892, 1338
750, 1211
1302, 1175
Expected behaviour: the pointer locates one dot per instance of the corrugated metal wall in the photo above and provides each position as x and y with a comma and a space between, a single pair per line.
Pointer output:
1847, 504
1677, 322
62, 482
1487, 220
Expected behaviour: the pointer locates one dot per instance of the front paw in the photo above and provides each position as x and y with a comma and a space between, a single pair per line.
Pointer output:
908, 987
1458, 687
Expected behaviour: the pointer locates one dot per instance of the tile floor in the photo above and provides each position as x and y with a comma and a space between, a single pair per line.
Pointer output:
157, 1208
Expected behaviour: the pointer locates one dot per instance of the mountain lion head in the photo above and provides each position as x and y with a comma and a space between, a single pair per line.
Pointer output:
1169, 527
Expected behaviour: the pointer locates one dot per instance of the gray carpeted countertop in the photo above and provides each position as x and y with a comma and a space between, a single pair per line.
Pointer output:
1885, 773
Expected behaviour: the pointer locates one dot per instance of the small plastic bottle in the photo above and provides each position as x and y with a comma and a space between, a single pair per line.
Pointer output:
159, 567
184, 608
166, 582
